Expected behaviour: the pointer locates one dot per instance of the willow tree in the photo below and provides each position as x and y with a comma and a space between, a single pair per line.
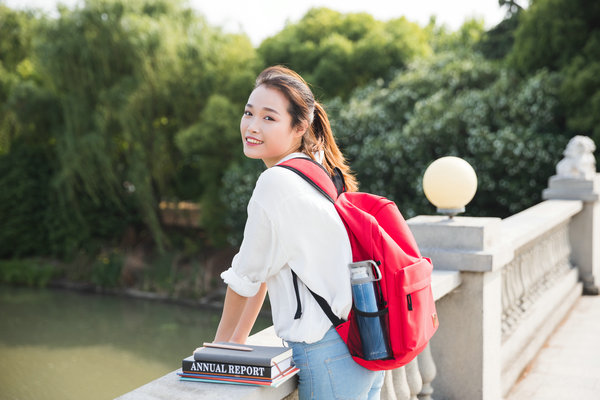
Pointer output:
128, 77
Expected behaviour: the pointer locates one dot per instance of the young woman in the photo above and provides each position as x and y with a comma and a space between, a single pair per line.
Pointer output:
291, 226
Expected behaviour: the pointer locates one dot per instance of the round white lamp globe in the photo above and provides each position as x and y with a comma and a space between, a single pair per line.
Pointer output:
449, 184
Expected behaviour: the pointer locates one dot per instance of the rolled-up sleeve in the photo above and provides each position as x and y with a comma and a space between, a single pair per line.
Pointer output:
260, 254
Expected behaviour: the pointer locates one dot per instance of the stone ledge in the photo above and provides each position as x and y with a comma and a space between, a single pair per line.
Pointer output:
498, 241
169, 387
471, 261
443, 282
528, 225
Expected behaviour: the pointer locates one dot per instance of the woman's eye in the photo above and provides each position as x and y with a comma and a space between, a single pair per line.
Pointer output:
269, 118
248, 113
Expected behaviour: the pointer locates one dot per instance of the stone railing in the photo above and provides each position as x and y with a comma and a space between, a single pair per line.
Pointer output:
539, 285
402, 383
520, 277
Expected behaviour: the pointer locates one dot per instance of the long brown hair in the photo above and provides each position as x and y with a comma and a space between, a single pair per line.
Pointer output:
304, 107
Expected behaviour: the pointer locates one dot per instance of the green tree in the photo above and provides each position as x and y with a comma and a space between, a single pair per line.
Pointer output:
112, 84
15, 36
211, 146
338, 52
552, 32
15, 65
497, 42
564, 36
463, 40
447, 105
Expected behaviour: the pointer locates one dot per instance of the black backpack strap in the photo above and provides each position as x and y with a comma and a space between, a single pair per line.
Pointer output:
298, 305
330, 187
335, 320
338, 180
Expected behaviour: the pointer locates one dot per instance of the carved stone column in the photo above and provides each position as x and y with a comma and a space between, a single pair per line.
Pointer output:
576, 179
395, 385
413, 377
428, 372
468, 339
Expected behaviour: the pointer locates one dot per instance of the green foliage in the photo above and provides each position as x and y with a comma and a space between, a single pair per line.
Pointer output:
29, 272
463, 40
497, 43
238, 183
104, 91
106, 270
24, 176
564, 36
552, 32
210, 147
338, 52
15, 37
580, 91
469, 108
15, 46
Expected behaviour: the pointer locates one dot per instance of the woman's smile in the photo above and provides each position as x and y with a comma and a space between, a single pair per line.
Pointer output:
253, 141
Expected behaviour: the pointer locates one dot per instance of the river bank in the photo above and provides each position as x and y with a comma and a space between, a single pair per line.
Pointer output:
213, 300
190, 280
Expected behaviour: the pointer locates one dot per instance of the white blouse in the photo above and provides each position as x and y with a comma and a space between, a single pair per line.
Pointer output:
292, 225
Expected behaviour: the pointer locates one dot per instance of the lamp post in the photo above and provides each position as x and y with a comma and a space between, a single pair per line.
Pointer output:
449, 184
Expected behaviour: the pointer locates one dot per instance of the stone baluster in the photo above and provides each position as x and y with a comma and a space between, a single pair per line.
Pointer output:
413, 381
413, 378
512, 291
528, 272
428, 372
387, 391
395, 385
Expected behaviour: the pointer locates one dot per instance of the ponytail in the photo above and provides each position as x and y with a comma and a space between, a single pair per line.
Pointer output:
323, 140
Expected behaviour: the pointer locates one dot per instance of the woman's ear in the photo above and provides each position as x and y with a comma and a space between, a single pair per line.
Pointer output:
300, 129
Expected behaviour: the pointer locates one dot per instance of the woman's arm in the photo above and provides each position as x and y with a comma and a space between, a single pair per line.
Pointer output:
249, 315
239, 315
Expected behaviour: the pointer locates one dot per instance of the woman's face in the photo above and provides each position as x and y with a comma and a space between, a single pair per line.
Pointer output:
266, 127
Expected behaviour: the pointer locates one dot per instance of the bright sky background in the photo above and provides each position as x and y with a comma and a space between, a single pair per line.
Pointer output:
260, 19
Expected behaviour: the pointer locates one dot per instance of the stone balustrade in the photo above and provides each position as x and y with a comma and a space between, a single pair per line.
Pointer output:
403, 383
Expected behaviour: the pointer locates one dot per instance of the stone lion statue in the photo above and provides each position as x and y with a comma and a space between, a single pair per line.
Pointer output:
579, 161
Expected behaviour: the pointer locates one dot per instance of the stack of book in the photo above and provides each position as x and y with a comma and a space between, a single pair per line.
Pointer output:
239, 364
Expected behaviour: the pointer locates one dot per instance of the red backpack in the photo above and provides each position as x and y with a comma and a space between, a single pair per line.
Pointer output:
378, 232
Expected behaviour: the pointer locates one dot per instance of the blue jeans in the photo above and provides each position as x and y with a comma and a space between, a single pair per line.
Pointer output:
327, 371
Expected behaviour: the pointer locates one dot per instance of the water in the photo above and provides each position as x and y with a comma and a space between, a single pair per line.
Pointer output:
64, 345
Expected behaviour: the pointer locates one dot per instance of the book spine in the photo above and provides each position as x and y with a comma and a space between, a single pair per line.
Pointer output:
234, 358
250, 371
240, 380
234, 382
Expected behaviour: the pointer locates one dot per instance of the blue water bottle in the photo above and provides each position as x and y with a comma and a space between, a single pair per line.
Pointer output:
365, 303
